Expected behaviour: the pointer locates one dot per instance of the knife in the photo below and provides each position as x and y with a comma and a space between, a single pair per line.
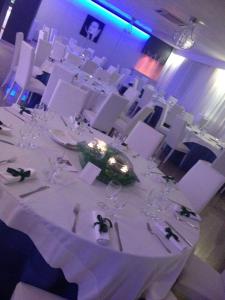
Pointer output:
116, 226
42, 188
7, 142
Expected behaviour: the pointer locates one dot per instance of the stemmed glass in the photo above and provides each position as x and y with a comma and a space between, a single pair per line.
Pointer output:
112, 192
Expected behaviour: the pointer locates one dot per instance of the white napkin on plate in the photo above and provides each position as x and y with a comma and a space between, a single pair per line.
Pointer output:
7, 178
62, 137
18, 109
102, 238
178, 208
159, 228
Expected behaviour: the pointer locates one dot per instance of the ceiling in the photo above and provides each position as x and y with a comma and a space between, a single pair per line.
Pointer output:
210, 45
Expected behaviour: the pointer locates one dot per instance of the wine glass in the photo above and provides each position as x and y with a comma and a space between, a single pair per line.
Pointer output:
112, 191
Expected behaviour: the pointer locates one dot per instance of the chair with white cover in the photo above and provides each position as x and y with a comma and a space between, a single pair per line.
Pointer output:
23, 76
42, 52
173, 111
24, 291
102, 75
125, 124
15, 58
58, 51
59, 72
88, 53
200, 184
149, 92
131, 94
107, 113
43, 35
201, 121
159, 126
89, 67
174, 138
199, 281
100, 61
73, 59
115, 78
144, 140
188, 117
111, 69
67, 99
219, 163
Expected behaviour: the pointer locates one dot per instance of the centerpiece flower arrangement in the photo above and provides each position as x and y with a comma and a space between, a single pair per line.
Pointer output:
113, 163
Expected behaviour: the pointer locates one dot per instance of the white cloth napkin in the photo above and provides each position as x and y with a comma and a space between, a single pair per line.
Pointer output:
62, 137
18, 108
7, 178
171, 243
102, 238
178, 208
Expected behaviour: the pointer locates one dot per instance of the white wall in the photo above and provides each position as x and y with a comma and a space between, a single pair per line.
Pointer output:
67, 16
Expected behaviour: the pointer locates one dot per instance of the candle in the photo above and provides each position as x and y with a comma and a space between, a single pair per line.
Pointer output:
124, 169
112, 160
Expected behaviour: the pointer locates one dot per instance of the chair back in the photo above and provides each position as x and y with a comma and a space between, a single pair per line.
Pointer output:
42, 35
100, 61
111, 69
58, 51
74, 59
25, 65
219, 163
88, 53
52, 35
162, 117
144, 139
200, 184
149, 92
176, 133
67, 99
173, 111
89, 67
108, 112
16, 53
102, 75
115, 78
131, 94
59, 72
188, 117
42, 52
140, 116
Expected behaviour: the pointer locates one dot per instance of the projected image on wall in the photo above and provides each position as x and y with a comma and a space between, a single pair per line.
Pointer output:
92, 29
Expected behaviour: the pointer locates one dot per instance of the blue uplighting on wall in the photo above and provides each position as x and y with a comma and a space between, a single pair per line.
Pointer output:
117, 17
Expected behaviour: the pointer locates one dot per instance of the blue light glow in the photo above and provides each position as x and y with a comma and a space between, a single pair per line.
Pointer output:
118, 20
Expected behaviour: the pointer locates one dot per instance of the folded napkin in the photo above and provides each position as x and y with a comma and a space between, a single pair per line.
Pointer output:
168, 236
186, 212
11, 175
22, 110
62, 138
102, 228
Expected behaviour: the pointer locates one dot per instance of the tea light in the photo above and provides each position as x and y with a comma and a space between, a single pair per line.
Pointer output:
112, 160
124, 169
101, 146
91, 145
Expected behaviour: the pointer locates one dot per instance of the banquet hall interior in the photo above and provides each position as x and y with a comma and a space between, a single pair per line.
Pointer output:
112, 149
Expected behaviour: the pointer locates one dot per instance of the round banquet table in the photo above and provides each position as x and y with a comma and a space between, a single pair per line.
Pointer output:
101, 272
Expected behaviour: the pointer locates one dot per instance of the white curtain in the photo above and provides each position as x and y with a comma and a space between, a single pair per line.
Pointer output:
199, 88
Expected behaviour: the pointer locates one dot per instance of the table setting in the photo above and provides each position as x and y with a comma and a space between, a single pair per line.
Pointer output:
126, 213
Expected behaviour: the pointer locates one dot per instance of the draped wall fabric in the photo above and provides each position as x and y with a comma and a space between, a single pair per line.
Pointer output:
199, 88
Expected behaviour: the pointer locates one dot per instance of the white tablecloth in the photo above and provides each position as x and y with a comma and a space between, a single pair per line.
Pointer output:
47, 217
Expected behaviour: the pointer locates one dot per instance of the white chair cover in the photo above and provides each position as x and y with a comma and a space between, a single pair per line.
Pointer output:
199, 281
149, 92
144, 139
42, 35
173, 112
58, 51
111, 69
42, 52
131, 94
219, 163
67, 99
100, 61
24, 291
102, 75
126, 124
74, 59
89, 67
200, 184
107, 114
176, 133
59, 72
15, 58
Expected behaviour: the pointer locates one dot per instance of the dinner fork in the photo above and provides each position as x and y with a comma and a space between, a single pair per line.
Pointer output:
76, 212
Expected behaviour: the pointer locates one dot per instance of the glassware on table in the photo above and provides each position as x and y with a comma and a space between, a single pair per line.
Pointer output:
151, 166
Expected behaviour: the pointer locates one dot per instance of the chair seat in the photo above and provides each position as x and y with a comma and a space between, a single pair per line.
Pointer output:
182, 148
36, 86
25, 291
36, 71
89, 115
199, 281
